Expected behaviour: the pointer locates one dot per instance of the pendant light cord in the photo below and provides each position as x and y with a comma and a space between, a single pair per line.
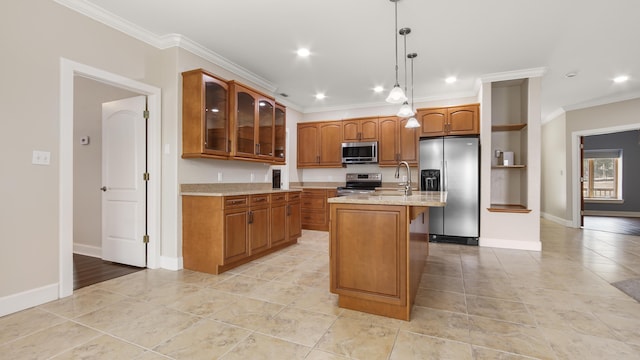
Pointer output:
412, 107
405, 63
396, 36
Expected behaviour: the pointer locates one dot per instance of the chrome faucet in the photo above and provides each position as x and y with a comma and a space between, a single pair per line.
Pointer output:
407, 185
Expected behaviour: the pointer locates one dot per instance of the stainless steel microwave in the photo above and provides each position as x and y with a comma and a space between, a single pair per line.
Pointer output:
360, 152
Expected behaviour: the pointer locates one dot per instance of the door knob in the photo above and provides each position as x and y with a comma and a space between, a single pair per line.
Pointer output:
104, 188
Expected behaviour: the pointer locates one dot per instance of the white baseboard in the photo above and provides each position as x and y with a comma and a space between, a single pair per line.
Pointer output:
171, 263
612, 213
511, 244
30, 298
557, 220
88, 250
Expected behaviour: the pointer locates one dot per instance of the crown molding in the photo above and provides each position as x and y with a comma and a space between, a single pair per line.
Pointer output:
553, 115
197, 49
164, 41
511, 75
602, 101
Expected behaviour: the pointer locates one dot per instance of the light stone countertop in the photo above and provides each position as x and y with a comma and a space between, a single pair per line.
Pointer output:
418, 198
315, 185
229, 189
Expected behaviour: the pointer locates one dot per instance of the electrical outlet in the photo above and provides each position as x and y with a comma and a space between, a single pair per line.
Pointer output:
253, 177
219, 176
41, 157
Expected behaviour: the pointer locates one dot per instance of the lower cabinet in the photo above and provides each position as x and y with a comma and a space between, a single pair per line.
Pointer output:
222, 232
294, 224
285, 218
258, 223
314, 208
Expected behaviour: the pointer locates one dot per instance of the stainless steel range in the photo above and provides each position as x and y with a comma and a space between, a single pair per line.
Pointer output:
358, 183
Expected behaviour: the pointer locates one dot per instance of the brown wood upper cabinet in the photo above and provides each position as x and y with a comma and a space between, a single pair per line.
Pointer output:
205, 115
397, 143
227, 120
457, 120
361, 129
319, 144
253, 116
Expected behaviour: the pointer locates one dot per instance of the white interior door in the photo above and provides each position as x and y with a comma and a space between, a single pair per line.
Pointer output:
124, 191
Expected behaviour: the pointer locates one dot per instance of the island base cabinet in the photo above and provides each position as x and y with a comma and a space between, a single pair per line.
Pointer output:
376, 261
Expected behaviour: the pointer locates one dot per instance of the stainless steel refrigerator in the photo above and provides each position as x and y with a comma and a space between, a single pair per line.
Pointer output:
452, 164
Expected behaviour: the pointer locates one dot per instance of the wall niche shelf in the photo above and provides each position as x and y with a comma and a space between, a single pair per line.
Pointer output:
508, 127
509, 166
509, 208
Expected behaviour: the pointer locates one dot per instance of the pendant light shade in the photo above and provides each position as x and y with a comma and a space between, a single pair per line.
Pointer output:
405, 110
412, 123
396, 96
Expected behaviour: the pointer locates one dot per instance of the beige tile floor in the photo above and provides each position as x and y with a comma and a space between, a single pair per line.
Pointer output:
474, 303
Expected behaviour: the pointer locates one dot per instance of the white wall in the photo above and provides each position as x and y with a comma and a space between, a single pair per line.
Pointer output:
554, 173
87, 175
35, 35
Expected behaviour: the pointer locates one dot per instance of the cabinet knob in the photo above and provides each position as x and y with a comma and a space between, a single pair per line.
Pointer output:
104, 188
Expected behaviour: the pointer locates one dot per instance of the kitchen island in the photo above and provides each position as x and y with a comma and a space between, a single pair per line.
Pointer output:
378, 247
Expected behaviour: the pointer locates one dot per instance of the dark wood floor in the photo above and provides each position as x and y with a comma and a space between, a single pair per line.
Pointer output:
89, 270
618, 225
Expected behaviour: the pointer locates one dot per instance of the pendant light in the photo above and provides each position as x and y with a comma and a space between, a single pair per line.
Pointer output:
413, 122
405, 109
396, 96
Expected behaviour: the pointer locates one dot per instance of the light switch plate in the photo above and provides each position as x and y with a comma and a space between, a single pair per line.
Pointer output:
41, 157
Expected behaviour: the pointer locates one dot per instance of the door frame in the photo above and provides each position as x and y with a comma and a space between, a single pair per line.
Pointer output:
68, 71
576, 185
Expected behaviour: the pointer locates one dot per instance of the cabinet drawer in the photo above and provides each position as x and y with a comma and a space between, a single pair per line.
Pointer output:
292, 196
278, 198
312, 203
232, 202
261, 199
313, 217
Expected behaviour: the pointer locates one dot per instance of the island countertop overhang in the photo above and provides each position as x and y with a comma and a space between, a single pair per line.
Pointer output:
418, 198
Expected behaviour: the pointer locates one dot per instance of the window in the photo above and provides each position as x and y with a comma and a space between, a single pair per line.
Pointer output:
602, 174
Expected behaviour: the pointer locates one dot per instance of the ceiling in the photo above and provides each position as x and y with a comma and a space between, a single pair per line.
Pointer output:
352, 44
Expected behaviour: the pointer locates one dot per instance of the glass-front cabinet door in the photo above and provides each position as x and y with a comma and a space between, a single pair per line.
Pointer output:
215, 113
245, 123
254, 124
265, 128
205, 116
280, 134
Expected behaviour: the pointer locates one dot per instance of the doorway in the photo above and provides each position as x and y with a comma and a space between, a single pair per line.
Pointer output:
606, 178
97, 257
69, 71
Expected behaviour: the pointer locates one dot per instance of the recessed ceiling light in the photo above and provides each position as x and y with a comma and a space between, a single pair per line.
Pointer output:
621, 79
320, 96
303, 52
450, 80
378, 89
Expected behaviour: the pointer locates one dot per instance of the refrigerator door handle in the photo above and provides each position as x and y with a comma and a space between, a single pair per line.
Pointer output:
445, 176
